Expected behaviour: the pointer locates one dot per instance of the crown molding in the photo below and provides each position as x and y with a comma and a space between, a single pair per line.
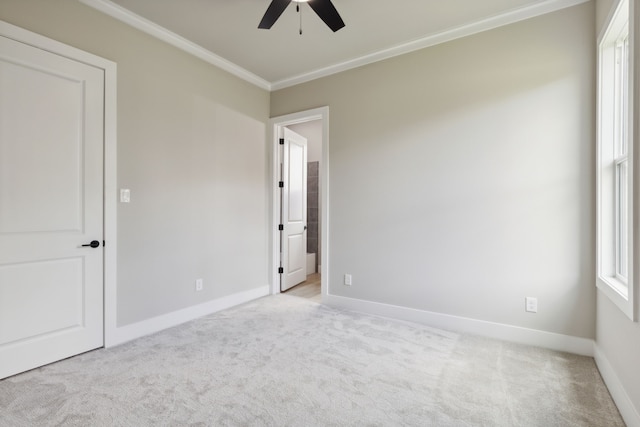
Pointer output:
486, 24
499, 20
118, 12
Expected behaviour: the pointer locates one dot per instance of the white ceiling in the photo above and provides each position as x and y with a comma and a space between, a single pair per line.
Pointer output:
226, 33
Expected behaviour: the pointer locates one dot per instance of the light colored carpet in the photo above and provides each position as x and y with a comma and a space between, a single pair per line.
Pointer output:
286, 361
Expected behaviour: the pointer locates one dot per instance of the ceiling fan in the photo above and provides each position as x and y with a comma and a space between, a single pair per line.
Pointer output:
323, 8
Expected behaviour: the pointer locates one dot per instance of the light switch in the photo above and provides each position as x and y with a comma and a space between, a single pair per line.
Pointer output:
125, 195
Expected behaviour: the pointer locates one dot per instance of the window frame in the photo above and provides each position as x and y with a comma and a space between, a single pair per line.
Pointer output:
616, 216
621, 152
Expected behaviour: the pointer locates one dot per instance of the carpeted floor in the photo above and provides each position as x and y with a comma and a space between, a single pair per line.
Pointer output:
286, 361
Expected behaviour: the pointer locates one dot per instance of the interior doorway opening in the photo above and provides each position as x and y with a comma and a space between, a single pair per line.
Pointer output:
286, 259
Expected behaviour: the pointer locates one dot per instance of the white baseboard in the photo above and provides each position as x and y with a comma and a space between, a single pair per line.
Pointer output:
146, 327
628, 411
516, 334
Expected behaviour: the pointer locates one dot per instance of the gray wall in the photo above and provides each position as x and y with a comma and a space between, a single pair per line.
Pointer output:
617, 337
191, 147
462, 176
603, 8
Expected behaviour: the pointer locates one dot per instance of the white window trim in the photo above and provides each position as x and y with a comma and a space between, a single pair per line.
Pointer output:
623, 293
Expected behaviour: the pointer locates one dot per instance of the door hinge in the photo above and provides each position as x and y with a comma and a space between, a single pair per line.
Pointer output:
281, 141
280, 270
281, 227
281, 184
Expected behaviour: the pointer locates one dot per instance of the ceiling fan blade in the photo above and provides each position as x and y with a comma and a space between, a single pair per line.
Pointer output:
273, 12
328, 13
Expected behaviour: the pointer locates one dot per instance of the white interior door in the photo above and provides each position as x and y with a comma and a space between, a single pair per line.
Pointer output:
51, 203
294, 210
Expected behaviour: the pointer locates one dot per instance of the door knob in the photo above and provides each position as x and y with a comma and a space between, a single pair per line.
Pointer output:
93, 244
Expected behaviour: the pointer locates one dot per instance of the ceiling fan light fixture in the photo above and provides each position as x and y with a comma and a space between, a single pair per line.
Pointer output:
323, 8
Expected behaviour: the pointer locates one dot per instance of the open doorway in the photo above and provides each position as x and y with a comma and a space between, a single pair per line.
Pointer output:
287, 240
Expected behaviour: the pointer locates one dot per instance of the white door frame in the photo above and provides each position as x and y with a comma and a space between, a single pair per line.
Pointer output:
110, 159
274, 130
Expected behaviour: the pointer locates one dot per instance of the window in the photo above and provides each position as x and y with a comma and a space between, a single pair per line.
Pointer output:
615, 167
620, 143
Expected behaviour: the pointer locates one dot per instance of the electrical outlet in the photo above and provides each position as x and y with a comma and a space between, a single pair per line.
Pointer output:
199, 284
531, 304
347, 279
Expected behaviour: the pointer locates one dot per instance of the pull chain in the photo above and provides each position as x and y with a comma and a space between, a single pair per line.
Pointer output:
300, 13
